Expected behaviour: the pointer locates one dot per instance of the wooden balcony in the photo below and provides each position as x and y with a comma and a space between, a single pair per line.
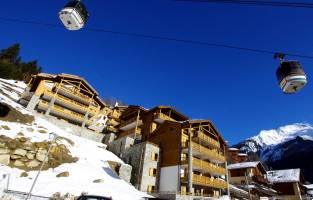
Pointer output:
207, 181
204, 153
74, 93
130, 124
70, 103
205, 139
130, 132
207, 167
161, 117
62, 112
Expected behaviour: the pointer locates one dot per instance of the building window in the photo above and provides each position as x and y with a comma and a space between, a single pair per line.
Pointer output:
150, 188
152, 172
154, 156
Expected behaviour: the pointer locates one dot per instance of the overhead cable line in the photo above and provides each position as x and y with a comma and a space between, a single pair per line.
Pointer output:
257, 3
155, 37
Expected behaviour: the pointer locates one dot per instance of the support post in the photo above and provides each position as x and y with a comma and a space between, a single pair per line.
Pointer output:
190, 190
227, 179
85, 119
51, 104
32, 103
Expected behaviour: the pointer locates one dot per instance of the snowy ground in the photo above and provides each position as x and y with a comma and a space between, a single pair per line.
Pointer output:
92, 163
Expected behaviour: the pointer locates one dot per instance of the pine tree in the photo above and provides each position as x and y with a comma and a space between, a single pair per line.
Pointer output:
12, 67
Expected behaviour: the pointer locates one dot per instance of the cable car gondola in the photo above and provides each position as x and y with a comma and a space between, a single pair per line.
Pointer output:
290, 75
74, 15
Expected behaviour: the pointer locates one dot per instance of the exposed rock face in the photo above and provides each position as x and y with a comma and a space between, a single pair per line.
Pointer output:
21, 153
63, 174
5, 159
98, 181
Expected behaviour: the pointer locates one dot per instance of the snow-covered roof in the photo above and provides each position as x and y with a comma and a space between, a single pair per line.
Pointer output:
233, 149
243, 165
309, 187
283, 176
242, 154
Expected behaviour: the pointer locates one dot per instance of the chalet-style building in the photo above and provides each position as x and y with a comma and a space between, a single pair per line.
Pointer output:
248, 176
64, 96
175, 156
288, 183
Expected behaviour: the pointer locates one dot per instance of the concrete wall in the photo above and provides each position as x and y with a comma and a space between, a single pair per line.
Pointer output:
71, 128
169, 179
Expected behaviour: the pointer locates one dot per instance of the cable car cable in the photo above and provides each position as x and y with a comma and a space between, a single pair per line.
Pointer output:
166, 38
257, 3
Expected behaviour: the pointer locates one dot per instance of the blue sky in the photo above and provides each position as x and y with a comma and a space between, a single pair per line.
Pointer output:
237, 90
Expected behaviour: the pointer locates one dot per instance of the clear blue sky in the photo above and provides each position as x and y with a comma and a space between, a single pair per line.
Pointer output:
237, 90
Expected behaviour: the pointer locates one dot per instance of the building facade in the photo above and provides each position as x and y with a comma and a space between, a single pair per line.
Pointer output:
188, 156
64, 96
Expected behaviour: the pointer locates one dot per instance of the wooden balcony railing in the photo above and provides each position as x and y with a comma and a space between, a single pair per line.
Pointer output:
64, 112
73, 103
163, 116
208, 167
207, 181
75, 92
213, 154
130, 132
206, 139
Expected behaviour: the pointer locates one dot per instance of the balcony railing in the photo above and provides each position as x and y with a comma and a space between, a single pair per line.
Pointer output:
207, 181
208, 167
75, 92
206, 139
163, 117
130, 132
213, 154
70, 102
65, 113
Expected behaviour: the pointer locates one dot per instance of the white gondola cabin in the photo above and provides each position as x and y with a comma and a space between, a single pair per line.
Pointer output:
291, 76
74, 15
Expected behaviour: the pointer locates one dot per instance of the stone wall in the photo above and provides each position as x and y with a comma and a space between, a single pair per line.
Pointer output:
139, 157
119, 146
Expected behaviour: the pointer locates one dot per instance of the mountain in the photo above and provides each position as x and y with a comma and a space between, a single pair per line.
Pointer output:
289, 146
74, 164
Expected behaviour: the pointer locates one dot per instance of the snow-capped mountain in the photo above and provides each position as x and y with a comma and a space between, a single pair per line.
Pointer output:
289, 146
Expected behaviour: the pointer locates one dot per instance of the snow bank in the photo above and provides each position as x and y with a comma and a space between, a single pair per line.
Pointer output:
92, 163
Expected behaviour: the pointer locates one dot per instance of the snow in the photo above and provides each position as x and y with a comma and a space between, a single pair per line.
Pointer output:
92, 163
283, 176
243, 165
233, 149
266, 141
283, 134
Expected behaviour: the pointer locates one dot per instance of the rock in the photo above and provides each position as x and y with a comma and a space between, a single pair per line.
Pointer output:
98, 181
32, 164
22, 139
30, 156
2, 145
15, 157
5, 127
5, 159
18, 163
41, 157
20, 152
63, 174
20, 134
24, 174
4, 151
42, 131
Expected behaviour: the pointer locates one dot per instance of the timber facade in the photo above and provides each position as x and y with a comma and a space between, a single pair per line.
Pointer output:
188, 155
64, 96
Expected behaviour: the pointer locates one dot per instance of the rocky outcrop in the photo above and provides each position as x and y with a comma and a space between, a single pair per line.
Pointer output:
21, 153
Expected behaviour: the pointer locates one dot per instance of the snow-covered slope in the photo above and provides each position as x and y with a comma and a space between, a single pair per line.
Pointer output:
92, 164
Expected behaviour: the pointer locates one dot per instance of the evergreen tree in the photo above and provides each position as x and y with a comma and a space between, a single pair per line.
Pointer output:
11, 66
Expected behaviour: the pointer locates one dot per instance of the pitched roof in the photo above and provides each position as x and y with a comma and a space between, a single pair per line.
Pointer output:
283, 176
243, 165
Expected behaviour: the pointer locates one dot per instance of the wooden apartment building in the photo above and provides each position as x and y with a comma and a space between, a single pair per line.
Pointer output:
191, 159
64, 96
